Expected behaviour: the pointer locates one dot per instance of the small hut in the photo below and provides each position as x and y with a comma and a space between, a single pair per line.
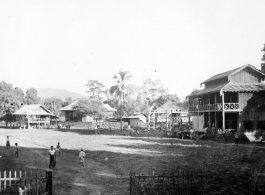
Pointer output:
34, 115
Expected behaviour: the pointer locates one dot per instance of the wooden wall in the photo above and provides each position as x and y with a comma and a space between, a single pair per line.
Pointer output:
243, 98
244, 77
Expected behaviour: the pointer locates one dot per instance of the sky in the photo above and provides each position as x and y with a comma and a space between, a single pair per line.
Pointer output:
64, 44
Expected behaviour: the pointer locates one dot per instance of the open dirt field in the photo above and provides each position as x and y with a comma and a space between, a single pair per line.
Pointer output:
110, 158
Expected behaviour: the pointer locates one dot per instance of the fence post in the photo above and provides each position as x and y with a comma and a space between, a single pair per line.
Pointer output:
49, 182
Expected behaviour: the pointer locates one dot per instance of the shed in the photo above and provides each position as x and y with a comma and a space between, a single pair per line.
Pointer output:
137, 119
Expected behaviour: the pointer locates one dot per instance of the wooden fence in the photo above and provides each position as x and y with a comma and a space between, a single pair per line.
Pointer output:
25, 183
198, 183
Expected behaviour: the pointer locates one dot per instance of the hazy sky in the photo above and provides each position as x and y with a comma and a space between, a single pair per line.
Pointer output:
63, 44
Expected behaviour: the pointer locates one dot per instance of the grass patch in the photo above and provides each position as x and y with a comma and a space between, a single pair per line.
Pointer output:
107, 172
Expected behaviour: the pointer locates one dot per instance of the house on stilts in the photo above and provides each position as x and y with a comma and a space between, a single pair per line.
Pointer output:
231, 101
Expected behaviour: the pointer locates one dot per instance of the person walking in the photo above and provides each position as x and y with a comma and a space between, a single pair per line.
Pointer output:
52, 154
16, 150
236, 138
82, 155
58, 147
7, 142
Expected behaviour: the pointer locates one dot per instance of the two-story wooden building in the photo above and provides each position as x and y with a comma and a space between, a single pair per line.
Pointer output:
225, 98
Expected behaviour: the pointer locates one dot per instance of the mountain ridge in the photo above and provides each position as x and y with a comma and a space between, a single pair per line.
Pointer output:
59, 93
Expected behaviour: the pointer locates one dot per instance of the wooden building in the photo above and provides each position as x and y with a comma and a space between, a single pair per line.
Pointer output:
168, 112
68, 113
137, 120
34, 115
225, 100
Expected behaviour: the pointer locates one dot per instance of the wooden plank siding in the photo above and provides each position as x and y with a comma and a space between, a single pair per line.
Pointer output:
244, 77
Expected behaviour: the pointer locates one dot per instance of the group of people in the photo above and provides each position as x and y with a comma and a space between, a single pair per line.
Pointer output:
8, 146
52, 153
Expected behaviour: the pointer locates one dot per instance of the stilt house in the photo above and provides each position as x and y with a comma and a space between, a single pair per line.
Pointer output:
231, 100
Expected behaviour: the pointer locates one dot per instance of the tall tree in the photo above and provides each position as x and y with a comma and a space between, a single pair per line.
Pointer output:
121, 90
53, 104
91, 107
94, 88
263, 60
32, 96
165, 98
10, 99
67, 101
154, 89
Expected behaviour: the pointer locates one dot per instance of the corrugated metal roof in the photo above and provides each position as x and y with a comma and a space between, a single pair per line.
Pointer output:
244, 87
231, 72
212, 89
221, 75
36, 109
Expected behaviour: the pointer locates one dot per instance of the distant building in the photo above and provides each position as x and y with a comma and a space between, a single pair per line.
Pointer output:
168, 112
67, 113
137, 120
33, 115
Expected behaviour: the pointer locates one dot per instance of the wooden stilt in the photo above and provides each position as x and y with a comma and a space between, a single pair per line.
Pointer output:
223, 110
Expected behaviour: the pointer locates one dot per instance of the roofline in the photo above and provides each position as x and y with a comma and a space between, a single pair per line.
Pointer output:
236, 71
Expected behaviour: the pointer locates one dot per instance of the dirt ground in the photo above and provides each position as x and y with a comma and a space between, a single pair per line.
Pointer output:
111, 158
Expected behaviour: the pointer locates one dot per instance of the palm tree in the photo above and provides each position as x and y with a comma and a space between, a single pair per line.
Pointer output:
121, 89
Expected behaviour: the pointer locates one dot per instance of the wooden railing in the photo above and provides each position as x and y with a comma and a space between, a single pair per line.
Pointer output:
215, 107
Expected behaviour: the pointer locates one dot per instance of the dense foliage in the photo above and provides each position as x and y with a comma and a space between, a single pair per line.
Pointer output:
32, 96
11, 98
91, 107
53, 104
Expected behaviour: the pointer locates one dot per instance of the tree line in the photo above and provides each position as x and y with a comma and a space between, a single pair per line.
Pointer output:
124, 97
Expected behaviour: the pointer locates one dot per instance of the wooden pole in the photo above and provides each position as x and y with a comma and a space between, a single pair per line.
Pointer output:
166, 120
223, 110
215, 106
148, 127
210, 122
28, 121
172, 124
189, 109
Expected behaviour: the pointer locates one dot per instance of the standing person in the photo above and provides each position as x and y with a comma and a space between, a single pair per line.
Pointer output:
96, 130
7, 142
82, 155
58, 147
16, 150
52, 154
197, 136
236, 138
110, 128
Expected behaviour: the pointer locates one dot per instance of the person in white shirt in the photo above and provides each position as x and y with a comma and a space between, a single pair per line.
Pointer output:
52, 153
82, 155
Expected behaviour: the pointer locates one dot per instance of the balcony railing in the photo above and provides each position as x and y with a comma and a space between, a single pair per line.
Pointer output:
215, 107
